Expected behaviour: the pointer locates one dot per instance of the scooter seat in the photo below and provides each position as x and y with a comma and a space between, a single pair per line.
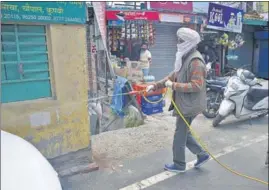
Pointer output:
254, 95
258, 92
222, 78
221, 83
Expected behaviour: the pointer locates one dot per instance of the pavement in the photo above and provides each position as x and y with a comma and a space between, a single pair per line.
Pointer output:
242, 145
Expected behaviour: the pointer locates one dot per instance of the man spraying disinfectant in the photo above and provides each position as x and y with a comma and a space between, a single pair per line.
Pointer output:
189, 93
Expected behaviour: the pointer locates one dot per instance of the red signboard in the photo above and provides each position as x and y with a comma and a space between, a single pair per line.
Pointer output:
172, 5
132, 15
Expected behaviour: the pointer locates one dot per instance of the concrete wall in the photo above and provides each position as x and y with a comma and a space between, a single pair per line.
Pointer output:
60, 124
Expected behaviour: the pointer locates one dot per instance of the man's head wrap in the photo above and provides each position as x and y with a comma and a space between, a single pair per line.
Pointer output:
188, 39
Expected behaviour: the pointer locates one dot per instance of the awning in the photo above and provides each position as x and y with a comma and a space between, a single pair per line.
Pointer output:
132, 15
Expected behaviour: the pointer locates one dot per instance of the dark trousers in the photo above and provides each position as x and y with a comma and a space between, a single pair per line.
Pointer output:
182, 139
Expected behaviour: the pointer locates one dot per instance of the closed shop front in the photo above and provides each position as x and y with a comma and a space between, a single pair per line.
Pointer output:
164, 50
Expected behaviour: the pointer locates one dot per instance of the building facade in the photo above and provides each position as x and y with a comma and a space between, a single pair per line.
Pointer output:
44, 77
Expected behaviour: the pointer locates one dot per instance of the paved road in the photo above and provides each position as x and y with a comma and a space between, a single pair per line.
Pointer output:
248, 160
240, 145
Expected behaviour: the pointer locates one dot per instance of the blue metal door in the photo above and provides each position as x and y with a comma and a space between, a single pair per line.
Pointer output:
263, 59
262, 67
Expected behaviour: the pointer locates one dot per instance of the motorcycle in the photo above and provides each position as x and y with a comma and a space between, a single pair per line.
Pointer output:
215, 89
244, 97
214, 96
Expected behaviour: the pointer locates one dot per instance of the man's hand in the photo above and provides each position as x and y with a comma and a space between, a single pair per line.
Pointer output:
150, 88
169, 84
149, 59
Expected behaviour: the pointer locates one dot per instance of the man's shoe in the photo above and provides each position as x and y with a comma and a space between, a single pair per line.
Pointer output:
201, 160
173, 168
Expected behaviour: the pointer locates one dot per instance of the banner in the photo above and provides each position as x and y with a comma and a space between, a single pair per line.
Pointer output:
100, 13
224, 18
172, 5
132, 15
72, 12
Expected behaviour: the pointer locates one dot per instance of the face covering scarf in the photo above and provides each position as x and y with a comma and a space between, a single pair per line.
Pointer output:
190, 40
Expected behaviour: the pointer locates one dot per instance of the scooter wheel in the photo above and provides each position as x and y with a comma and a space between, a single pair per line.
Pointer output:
211, 97
209, 115
217, 120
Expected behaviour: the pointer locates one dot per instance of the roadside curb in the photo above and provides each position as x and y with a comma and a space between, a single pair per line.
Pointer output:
74, 163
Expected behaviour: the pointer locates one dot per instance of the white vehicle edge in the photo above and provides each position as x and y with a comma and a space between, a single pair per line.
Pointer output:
23, 167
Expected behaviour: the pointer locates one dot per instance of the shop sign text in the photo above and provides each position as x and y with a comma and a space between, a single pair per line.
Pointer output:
51, 12
224, 18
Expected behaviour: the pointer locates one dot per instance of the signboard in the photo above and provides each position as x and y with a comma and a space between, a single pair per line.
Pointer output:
200, 7
189, 19
170, 17
115, 23
171, 5
224, 18
193, 19
100, 13
132, 15
72, 12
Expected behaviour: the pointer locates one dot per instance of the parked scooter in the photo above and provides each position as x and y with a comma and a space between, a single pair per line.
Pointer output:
244, 97
215, 88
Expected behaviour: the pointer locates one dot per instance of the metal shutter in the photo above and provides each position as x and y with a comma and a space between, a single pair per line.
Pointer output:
164, 50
